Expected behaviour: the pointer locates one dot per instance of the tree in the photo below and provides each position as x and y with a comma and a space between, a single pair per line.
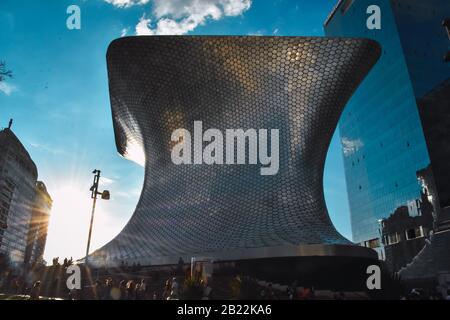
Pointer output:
4, 72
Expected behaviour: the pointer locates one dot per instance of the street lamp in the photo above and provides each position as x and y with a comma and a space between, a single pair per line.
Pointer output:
94, 193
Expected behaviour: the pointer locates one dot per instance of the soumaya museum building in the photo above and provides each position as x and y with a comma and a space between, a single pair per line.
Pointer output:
298, 85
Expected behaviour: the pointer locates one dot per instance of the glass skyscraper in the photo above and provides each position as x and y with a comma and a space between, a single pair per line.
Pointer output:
396, 124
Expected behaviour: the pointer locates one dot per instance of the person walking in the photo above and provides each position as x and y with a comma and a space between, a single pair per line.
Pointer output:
131, 287
174, 290
108, 288
167, 289
35, 291
143, 290
123, 289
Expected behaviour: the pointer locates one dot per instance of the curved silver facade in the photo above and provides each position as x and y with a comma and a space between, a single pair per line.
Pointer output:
298, 85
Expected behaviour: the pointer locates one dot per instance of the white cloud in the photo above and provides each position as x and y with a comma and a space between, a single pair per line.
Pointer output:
47, 148
7, 88
142, 28
106, 181
127, 3
256, 33
351, 146
124, 32
175, 17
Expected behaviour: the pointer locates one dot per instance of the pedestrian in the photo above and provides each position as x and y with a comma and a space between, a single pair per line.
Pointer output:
143, 290
123, 289
35, 291
98, 290
108, 288
167, 289
207, 290
174, 290
131, 290
262, 294
270, 293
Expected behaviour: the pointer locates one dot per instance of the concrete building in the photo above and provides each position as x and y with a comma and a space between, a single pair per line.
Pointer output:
18, 175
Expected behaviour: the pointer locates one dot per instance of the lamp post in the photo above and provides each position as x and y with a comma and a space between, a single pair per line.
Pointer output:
94, 194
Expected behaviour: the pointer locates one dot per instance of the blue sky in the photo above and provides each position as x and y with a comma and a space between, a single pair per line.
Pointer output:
59, 96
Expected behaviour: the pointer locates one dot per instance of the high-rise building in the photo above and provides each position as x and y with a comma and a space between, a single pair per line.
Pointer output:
37, 234
398, 121
18, 175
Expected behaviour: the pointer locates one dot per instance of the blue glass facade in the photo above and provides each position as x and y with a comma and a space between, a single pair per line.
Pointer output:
381, 130
424, 41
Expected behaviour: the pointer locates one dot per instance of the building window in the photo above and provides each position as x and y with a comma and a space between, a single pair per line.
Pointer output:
414, 233
393, 238
372, 244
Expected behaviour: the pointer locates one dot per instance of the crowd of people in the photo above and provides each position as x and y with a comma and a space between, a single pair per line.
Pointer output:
65, 264
137, 283
121, 283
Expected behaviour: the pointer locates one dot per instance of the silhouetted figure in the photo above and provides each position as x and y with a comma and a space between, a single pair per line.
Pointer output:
142, 290
123, 289
207, 290
98, 290
108, 289
167, 289
175, 290
131, 290
35, 291
180, 265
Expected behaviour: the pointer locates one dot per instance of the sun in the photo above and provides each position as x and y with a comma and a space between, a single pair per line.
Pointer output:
69, 222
